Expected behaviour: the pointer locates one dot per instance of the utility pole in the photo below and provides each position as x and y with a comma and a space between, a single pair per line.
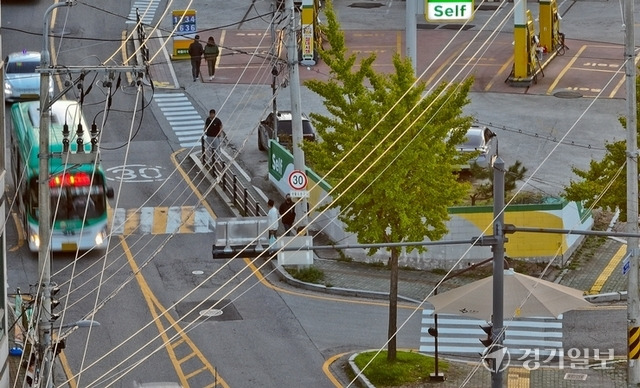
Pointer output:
44, 348
44, 205
633, 303
498, 269
410, 31
296, 112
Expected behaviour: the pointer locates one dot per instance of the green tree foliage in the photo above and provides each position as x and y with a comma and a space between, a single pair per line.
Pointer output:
482, 178
387, 150
604, 184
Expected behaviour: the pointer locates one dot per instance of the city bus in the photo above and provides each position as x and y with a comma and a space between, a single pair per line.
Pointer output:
79, 192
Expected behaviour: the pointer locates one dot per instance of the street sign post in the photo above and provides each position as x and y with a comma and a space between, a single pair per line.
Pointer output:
297, 180
298, 183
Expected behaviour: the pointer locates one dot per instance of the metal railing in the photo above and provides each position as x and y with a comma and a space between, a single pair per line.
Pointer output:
241, 196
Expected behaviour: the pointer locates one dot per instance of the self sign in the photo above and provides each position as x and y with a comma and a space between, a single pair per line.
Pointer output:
443, 10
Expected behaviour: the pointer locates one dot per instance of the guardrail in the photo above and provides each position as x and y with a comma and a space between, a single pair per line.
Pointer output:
239, 195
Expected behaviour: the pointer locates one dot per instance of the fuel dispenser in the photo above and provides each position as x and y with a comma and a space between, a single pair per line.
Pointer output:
525, 55
550, 35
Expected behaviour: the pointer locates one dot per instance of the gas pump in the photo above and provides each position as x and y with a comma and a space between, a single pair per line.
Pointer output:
550, 35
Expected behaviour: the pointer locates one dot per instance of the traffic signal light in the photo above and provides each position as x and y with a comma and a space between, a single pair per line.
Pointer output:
488, 329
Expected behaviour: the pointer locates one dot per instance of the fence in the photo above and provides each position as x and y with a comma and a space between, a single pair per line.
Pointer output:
241, 196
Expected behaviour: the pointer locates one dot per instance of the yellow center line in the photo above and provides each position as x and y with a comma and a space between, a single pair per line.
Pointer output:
608, 270
157, 311
565, 69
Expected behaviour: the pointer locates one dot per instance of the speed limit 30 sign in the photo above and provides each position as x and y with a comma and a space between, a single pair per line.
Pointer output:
297, 180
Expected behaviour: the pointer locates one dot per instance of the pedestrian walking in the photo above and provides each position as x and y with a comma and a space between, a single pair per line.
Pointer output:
195, 52
211, 52
272, 221
287, 211
213, 137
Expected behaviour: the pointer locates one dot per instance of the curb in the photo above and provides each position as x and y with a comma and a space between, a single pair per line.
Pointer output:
359, 375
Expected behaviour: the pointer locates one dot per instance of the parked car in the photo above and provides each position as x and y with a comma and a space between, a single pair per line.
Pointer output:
21, 81
479, 142
266, 131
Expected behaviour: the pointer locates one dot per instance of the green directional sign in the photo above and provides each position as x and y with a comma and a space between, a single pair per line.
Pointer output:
448, 10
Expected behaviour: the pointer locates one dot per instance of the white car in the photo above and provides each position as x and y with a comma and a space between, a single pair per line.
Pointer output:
21, 81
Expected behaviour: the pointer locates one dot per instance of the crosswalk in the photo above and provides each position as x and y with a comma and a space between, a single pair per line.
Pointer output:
161, 220
461, 335
185, 121
147, 10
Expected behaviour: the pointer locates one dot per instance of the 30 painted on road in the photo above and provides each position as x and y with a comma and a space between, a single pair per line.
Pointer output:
448, 10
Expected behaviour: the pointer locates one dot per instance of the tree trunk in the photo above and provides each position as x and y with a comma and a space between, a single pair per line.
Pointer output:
393, 306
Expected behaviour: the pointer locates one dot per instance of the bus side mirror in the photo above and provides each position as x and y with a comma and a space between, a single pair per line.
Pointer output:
110, 193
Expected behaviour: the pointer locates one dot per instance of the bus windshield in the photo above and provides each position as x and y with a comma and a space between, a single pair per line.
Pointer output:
72, 202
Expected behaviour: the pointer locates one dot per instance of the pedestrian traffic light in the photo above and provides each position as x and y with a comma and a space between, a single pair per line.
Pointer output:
488, 329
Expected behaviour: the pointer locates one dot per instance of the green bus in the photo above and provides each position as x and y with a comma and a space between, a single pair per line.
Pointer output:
79, 192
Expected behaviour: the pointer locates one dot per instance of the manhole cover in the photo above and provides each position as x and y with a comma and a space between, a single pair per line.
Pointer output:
575, 376
365, 5
567, 94
210, 313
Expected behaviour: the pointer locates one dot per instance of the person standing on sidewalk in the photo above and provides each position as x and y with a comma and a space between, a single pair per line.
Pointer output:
213, 137
272, 221
287, 211
195, 52
211, 52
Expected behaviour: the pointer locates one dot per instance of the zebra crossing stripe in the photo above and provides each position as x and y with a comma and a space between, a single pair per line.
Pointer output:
461, 335
147, 10
162, 220
182, 117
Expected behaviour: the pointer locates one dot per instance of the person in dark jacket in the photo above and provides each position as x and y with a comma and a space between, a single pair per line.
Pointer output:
195, 52
213, 137
287, 211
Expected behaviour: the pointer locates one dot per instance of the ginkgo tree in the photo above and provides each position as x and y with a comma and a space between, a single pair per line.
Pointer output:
388, 150
604, 184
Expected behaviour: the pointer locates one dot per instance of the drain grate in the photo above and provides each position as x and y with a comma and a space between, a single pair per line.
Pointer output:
575, 376
365, 5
